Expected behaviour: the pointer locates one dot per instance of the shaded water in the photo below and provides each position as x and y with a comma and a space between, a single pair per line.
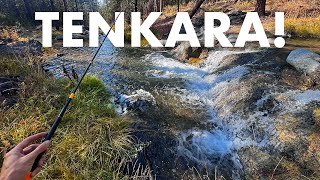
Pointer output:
181, 128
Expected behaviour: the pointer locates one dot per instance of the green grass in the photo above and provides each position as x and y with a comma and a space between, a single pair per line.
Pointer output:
91, 141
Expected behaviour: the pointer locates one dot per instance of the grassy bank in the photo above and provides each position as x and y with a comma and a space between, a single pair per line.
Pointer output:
91, 142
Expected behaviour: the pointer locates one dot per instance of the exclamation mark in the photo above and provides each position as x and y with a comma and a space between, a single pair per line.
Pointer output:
279, 42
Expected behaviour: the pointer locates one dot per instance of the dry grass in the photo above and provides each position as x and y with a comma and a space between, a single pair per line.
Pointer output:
171, 10
316, 114
244, 5
303, 27
306, 27
295, 8
9, 33
91, 141
49, 51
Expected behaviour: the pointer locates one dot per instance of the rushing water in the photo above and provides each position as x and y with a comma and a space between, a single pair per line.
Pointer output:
176, 115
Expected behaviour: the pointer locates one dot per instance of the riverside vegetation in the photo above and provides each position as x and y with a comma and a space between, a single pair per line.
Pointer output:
91, 141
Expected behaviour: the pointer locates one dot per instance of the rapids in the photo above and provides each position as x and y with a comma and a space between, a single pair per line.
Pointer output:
194, 120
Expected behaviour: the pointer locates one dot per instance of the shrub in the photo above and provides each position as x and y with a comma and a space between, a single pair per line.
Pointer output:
9, 33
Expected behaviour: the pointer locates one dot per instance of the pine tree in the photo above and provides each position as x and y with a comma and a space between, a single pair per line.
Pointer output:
261, 7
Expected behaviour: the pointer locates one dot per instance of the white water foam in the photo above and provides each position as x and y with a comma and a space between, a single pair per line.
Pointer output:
307, 97
206, 88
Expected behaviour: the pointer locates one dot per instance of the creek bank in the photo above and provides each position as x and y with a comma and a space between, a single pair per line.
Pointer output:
21, 48
10, 85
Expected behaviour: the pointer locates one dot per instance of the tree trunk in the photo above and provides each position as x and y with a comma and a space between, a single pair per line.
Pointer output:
65, 4
178, 5
161, 5
196, 8
77, 7
149, 7
136, 6
261, 7
155, 6
28, 9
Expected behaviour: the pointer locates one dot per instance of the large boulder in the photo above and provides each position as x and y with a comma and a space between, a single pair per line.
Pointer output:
184, 52
304, 60
139, 100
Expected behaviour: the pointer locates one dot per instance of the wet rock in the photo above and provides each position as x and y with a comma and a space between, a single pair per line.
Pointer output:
163, 41
271, 40
2, 43
74, 36
9, 87
79, 36
60, 54
304, 60
21, 48
138, 100
236, 17
233, 38
85, 32
288, 35
59, 38
184, 52
198, 22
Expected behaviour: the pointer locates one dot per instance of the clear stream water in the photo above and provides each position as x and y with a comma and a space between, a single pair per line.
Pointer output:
179, 123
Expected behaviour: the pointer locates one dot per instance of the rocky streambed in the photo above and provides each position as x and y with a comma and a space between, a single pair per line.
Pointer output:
238, 114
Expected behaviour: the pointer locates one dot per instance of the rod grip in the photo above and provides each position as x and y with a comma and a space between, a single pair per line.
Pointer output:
29, 176
36, 161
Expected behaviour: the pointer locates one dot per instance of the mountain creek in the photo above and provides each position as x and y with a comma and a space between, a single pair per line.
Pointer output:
241, 113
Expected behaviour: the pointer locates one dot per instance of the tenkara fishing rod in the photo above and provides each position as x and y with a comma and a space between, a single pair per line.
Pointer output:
65, 107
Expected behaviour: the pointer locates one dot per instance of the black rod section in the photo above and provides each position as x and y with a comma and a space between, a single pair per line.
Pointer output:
65, 107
